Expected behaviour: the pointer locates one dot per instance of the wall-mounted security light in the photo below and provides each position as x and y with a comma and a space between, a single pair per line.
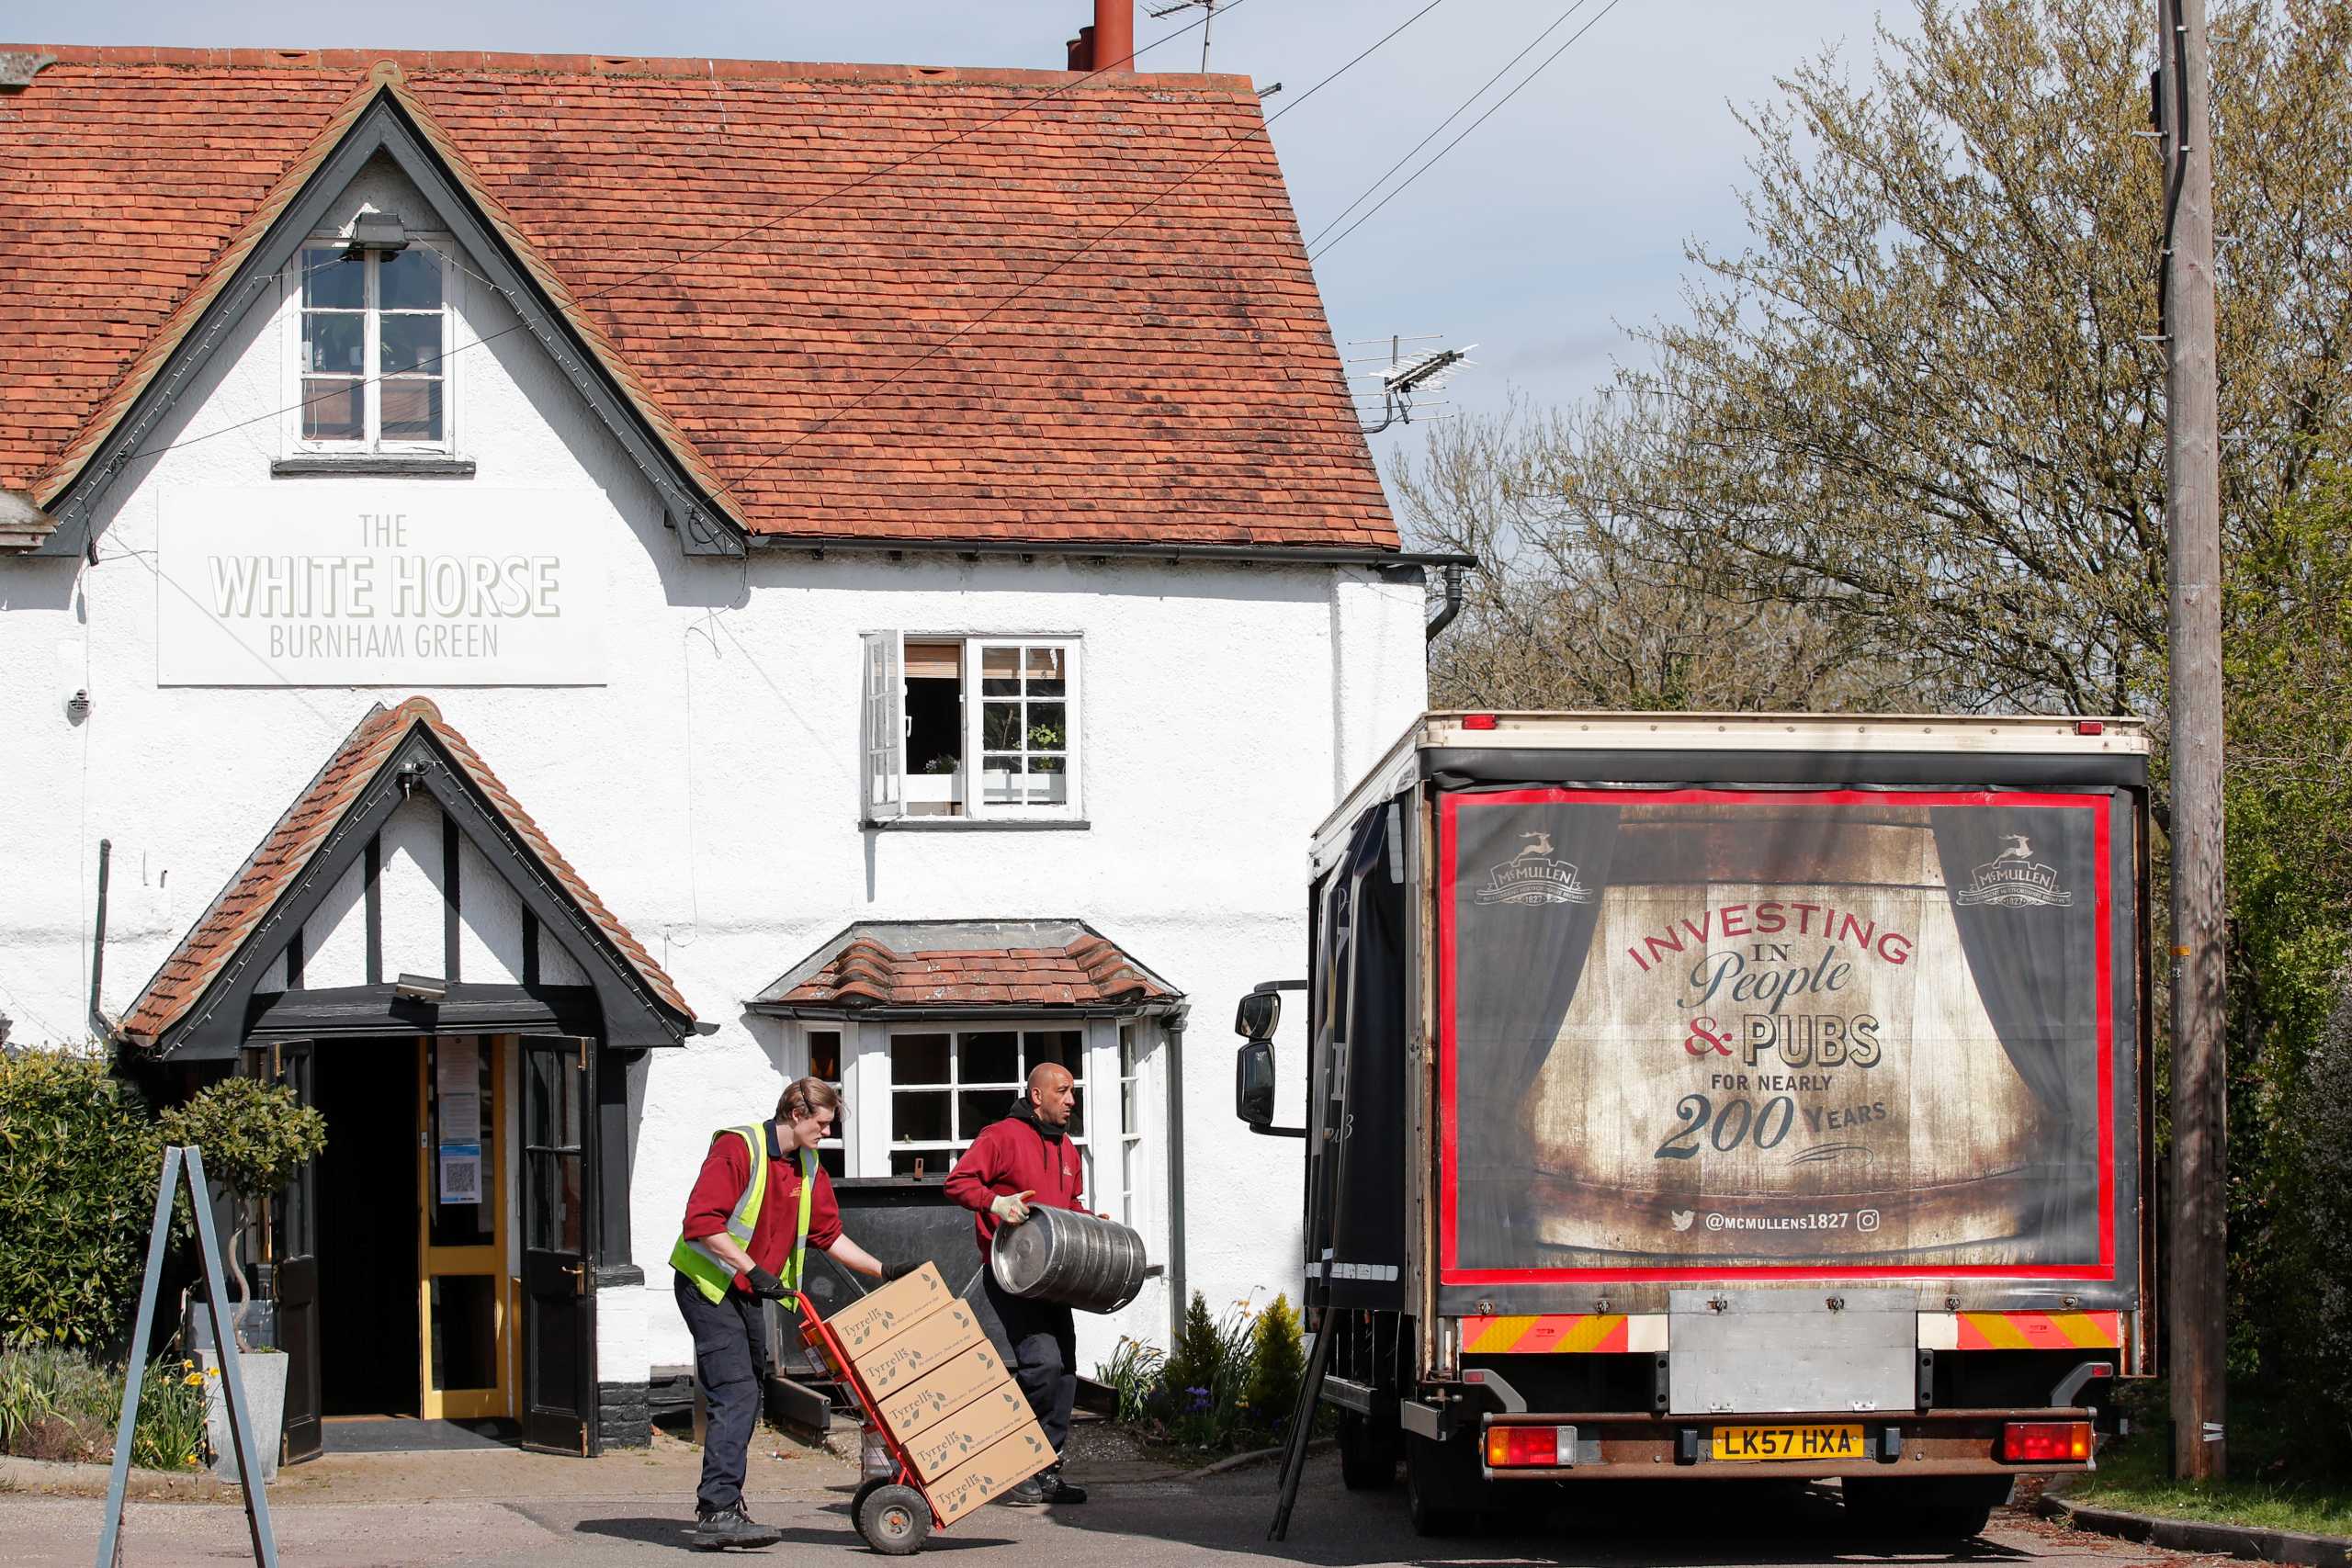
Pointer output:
77, 707
421, 988
381, 231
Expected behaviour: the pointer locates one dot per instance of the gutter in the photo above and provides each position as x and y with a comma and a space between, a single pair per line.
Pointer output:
1179, 1293
101, 1025
1114, 549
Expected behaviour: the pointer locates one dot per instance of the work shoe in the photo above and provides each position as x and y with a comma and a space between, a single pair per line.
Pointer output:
1029, 1494
715, 1528
1052, 1488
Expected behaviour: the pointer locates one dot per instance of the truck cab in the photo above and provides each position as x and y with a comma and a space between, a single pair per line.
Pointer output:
1710, 1096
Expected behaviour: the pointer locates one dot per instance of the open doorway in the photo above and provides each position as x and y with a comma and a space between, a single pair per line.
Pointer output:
369, 1347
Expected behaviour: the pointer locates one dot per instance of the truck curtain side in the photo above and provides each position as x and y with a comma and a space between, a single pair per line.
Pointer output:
1710, 1096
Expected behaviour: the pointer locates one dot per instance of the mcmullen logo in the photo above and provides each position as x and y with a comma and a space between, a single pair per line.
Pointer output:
1533, 876
2014, 878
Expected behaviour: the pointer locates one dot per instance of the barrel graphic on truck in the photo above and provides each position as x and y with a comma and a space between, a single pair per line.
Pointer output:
1767, 1034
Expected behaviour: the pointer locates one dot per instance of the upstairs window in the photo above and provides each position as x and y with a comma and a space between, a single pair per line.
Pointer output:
371, 343
975, 727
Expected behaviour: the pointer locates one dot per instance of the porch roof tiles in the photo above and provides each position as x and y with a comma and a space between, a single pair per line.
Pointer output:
1078, 967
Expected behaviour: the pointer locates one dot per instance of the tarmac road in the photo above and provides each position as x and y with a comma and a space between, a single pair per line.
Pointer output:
1154, 1524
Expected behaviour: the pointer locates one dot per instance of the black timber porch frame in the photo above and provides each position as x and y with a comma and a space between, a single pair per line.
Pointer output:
385, 126
630, 1017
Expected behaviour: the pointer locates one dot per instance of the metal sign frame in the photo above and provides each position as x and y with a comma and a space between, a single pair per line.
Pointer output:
232, 1386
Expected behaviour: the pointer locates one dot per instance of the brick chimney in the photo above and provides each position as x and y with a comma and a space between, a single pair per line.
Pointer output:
1109, 43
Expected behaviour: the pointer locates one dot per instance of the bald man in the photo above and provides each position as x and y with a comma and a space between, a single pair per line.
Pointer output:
1023, 1162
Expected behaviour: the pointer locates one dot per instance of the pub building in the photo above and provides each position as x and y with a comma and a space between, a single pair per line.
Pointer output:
545, 597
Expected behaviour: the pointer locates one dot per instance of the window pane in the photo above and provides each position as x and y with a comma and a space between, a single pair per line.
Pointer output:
334, 279
989, 1058
411, 409
919, 1059
977, 1108
1043, 663
334, 410
920, 1117
1047, 731
465, 1331
936, 1163
406, 343
1000, 664
335, 342
1001, 726
1067, 1046
825, 1054
1129, 1119
830, 1160
410, 280
1127, 1050
1077, 1128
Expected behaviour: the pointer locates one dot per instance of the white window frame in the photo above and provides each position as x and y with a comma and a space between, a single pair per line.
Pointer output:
292, 366
844, 1140
883, 726
950, 1148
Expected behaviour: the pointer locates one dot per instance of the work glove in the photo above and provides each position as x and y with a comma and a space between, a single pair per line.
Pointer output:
1012, 1207
766, 1286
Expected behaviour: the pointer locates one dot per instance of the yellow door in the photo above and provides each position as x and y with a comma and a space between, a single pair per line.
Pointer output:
465, 1299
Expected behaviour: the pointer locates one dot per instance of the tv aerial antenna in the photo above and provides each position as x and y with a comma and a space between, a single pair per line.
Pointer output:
1207, 22
1408, 375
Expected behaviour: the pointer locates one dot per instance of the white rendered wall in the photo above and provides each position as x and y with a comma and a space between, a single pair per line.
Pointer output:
709, 791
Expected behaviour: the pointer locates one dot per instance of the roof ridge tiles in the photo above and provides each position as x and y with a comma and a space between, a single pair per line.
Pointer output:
699, 67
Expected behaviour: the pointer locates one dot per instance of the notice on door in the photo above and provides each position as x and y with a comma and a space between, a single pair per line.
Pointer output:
457, 1096
393, 584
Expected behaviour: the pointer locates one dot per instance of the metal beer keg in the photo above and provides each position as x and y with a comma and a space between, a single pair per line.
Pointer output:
1060, 1255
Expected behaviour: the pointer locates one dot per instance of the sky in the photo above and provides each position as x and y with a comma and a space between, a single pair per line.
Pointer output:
1556, 224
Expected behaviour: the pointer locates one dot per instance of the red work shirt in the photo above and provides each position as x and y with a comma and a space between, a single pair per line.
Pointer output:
727, 1171
1009, 1156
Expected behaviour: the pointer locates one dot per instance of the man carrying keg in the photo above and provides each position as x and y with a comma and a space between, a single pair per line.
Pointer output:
1016, 1164
758, 1204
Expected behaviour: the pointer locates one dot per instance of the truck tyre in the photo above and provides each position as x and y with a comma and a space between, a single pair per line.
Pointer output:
1946, 1508
1438, 1481
1367, 1453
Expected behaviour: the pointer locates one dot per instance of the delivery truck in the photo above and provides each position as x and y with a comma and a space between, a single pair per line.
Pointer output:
1705, 1097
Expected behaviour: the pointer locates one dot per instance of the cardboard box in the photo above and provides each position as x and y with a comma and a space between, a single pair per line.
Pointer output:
950, 1444
1001, 1466
880, 1315
909, 1412
931, 1341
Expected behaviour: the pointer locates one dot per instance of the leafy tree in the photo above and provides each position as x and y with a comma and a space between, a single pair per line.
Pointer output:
78, 1163
254, 1135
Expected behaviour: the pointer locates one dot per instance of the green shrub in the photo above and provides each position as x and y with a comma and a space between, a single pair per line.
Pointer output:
1133, 1373
78, 1161
254, 1137
1277, 1364
1202, 1400
57, 1404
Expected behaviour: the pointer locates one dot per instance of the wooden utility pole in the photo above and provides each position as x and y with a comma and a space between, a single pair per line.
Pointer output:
2193, 519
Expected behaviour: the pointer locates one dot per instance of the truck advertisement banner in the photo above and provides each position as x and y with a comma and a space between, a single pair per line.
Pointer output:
1776, 1034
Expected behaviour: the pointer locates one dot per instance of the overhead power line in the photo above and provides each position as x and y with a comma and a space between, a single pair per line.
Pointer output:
1459, 110
759, 228
1473, 126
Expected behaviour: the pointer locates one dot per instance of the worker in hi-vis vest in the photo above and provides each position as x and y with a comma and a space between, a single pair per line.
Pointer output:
760, 1204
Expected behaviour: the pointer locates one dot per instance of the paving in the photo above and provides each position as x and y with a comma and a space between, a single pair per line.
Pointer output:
513, 1508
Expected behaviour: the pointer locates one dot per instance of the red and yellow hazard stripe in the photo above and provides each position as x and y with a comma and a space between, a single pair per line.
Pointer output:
2040, 1330
1555, 1332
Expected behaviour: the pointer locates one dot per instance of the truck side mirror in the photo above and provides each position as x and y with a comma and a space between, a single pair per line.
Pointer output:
1253, 1083
1257, 1015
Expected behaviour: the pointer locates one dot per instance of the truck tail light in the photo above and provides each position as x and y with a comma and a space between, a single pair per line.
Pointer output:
1477, 721
1510, 1446
2063, 1442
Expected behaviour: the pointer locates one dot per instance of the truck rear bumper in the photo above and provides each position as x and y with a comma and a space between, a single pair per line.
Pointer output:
1617, 1445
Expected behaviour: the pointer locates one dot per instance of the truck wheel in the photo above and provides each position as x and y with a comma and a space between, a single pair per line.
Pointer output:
894, 1519
1943, 1508
1435, 1485
1367, 1453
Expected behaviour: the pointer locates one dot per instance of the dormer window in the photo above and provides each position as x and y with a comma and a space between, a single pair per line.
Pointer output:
372, 347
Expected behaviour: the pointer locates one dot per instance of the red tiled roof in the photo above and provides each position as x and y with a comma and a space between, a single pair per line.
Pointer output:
1177, 383
1089, 971
273, 868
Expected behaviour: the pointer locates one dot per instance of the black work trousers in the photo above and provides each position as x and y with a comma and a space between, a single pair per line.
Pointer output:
1041, 1347
731, 1365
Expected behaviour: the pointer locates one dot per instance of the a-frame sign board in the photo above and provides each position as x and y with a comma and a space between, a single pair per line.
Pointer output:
232, 1385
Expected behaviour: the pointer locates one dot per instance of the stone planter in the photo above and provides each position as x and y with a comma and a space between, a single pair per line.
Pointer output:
264, 1373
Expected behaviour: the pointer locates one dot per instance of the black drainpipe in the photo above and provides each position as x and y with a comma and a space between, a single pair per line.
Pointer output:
98, 1024
1444, 618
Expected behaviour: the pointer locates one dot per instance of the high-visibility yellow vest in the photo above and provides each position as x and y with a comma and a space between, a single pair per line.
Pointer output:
711, 1274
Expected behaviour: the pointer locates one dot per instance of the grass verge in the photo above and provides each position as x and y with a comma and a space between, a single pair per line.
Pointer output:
2285, 1472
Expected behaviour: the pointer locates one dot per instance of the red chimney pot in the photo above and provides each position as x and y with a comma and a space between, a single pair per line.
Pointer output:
1113, 36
